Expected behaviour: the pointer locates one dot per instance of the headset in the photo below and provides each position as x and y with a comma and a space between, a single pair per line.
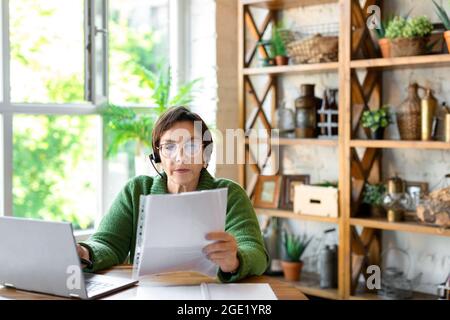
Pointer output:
156, 158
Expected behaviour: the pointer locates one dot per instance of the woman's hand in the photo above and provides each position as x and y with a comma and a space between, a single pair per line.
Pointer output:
83, 253
223, 251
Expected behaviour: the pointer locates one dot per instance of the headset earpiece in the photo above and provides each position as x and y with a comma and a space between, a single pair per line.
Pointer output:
155, 158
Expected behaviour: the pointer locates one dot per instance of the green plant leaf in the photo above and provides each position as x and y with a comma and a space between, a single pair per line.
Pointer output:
442, 14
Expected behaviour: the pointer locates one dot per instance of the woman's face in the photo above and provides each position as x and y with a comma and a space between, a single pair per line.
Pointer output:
181, 151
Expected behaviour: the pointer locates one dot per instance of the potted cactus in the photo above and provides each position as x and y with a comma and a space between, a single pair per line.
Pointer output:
409, 37
294, 247
443, 16
376, 121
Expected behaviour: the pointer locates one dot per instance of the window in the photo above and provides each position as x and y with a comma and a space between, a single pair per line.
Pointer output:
61, 60
139, 41
53, 160
55, 79
47, 54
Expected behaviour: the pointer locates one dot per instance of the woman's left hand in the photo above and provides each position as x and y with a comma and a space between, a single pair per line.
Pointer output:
223, 251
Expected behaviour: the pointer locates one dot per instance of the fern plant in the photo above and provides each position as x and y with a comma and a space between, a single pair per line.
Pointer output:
126, 124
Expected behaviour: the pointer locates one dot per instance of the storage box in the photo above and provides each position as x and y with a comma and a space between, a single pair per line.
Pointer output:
316, 201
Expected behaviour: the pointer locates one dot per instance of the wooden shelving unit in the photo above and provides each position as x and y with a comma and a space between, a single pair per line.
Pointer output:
403, 62
308, 68
295, 142
394, 144
373, 296
291, 215
359, 238
407, 226
284, 4
309, 284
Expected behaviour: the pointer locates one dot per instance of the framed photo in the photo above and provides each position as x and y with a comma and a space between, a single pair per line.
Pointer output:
288, 188
416, 190
267, 192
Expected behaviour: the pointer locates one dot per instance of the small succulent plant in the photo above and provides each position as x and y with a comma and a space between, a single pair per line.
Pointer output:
373, 194
401, 27
377, 119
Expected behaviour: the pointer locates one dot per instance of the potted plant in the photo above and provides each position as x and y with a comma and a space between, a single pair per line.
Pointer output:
443, 16
268, 61
294, 247
373, 198
125, 125
383, 42
279, 48
376, 121
409, 37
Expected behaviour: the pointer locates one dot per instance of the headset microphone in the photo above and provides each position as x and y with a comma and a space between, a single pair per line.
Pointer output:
155, 159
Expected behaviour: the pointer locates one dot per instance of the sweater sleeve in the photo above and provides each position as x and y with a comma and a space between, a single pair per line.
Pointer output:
241, 222
111, 243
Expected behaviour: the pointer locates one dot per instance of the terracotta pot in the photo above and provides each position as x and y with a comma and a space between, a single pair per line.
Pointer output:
447, 38
281, 60
385, 47
292, 270
406, 47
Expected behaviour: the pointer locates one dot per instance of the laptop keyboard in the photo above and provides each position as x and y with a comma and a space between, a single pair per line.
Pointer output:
92, 286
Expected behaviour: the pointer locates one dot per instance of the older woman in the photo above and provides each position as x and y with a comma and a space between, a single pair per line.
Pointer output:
182, 145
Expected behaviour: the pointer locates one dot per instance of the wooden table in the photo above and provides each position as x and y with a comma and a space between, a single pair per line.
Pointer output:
283, 290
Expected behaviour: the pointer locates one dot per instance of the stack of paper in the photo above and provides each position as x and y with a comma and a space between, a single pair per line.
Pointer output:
172, 230
207, 292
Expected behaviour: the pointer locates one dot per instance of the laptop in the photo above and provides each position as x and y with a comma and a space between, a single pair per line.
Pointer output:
41, 256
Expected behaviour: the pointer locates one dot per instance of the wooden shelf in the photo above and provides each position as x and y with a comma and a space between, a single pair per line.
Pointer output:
408, 226
403, 62
294, 142
284, 4
397, 144
292, 215
373, 296
301, 68
309, 285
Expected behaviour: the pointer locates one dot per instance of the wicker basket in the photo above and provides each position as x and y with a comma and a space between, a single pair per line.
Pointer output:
314, 50
313, 44
405, 47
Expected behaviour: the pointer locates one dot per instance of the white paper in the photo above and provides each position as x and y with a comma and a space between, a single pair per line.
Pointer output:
260, 291
172, 230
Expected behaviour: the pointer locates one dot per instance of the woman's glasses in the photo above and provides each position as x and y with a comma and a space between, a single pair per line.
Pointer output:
190, 148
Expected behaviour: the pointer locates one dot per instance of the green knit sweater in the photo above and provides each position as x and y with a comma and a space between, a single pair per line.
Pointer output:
115, 238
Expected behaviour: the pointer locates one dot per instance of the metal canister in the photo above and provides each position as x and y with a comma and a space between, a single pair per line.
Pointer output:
328, 267
428, 110
447, 127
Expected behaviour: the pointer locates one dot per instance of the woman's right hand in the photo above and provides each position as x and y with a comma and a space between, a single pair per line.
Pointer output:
83, 253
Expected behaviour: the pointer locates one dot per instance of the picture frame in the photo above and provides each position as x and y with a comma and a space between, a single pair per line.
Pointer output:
416, 191
267, 192
288, 188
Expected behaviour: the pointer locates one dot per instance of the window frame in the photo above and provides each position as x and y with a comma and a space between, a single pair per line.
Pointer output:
179, 48
8, 109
